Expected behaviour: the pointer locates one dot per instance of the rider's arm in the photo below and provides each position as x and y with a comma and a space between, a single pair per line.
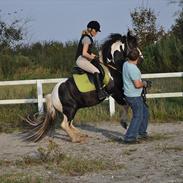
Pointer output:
86, 54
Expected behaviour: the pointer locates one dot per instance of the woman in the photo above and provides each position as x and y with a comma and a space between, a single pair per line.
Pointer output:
84, 56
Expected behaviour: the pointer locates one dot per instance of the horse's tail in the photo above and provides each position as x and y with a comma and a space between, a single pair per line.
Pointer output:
41, 124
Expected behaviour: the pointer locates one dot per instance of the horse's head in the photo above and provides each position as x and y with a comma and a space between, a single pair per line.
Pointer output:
131, 43
116, 48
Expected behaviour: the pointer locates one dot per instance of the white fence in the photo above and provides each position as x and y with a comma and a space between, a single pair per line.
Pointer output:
40, 100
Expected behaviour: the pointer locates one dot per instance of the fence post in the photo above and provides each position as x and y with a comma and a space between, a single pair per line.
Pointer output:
111, 106
40, 96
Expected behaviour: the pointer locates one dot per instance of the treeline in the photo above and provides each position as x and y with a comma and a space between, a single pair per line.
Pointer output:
164, 56
38, 60
163, 52
54, 59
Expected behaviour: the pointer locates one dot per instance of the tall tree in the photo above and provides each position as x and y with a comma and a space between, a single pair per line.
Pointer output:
144, 25
11, 32
177, 29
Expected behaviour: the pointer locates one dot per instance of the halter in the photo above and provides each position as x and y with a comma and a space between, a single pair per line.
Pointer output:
128, 48
109, 61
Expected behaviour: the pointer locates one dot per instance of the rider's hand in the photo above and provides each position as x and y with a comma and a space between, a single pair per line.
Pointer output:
93, 56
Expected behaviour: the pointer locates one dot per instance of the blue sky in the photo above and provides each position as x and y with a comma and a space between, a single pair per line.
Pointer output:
63, 20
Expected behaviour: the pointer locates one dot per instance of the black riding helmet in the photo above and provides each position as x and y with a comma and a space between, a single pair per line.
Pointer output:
94, 25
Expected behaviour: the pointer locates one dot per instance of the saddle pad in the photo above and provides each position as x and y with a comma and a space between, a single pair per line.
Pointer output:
84, 84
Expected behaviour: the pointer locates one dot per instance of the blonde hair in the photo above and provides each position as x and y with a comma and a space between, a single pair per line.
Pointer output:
86, 31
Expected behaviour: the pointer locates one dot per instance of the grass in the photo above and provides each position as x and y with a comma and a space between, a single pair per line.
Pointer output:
19, 178
10, 119
129, 151
166, 148
161, 110
159, 136
53, 159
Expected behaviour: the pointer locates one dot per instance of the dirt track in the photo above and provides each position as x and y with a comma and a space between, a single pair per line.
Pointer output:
159, 159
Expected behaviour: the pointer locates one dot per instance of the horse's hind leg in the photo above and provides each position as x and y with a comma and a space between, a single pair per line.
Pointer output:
66, 127
77, 131
124, 117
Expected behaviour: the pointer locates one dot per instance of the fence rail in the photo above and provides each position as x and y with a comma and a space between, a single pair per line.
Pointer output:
40, 100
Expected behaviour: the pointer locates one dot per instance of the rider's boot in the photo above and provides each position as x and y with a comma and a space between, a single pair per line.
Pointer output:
102, 94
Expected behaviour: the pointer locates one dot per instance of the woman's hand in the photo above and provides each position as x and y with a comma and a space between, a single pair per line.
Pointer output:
93, 56
86, 54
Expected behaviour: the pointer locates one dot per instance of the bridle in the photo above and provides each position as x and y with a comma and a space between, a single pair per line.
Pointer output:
113, 67
127, 50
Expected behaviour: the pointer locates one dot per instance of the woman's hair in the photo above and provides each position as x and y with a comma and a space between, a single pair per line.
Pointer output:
133, 54
86, 31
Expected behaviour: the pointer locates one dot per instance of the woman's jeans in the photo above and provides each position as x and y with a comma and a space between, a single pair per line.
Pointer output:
139, 121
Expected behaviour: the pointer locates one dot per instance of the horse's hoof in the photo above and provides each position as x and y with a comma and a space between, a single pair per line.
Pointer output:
79, 140
84, 135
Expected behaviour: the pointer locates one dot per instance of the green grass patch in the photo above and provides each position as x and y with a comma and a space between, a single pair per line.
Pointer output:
10, 119
161, 110
19, 178
159, 136
53, 159
167, 148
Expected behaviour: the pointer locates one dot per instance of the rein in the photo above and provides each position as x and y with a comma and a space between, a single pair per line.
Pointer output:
112, 67
144, 92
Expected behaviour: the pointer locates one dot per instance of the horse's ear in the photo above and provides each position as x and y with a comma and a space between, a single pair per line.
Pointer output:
132, 38
130, 33
123, 38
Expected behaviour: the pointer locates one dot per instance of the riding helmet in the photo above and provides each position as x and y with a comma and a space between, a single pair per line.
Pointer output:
94, 25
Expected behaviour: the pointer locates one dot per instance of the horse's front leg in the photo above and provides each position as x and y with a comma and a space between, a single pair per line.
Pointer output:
67, 128
76, 130
124, 116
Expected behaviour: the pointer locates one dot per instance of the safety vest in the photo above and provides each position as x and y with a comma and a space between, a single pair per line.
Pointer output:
80, 46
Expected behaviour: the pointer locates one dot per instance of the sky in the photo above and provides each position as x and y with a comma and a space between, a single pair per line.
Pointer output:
64, 20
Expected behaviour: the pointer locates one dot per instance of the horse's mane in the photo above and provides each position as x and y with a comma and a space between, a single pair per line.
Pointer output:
112, 38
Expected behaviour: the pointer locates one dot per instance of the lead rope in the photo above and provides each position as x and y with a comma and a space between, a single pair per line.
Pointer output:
144, 92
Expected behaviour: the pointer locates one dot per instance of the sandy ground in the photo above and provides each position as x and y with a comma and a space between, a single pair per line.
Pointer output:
157, 160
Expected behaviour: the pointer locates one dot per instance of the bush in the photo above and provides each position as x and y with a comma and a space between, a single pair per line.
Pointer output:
8, 66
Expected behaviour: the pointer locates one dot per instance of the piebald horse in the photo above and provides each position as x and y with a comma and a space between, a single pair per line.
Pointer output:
66, 98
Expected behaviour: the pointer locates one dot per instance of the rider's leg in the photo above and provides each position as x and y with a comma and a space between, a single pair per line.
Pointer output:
89, 67
102, 94
85, 64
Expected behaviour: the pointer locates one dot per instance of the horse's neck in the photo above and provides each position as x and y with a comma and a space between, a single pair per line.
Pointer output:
117, 77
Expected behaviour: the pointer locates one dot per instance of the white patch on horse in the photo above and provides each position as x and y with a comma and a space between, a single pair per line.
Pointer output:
116, 47
55, 98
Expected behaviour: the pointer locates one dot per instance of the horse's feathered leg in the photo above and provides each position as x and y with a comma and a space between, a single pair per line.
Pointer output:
66, 127
124, 117
77, 131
